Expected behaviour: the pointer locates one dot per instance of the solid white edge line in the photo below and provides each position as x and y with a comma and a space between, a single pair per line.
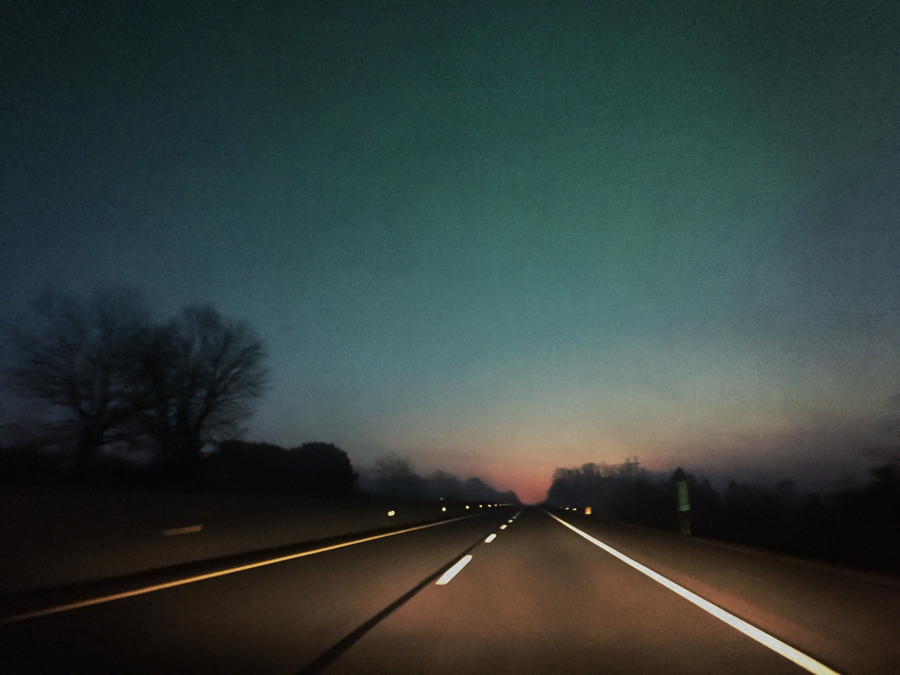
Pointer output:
806, 662
453, 571
211, 575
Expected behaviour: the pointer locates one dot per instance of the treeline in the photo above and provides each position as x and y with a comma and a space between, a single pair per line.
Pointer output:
858, 527
393, 476
312, 469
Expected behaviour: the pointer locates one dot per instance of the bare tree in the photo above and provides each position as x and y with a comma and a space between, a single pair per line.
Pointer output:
106, 374
79, 358
201, 373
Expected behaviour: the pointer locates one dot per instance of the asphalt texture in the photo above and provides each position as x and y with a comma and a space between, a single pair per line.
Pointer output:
539, 598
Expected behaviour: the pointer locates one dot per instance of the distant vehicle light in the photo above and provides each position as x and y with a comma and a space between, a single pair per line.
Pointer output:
391, 513
467, 507
443, 508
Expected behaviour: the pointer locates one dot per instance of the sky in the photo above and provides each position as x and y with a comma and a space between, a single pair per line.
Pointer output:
494, 236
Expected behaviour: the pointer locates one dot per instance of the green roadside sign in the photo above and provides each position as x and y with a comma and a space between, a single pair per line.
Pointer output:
684, 503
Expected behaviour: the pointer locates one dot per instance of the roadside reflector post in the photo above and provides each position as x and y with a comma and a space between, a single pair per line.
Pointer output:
587, 510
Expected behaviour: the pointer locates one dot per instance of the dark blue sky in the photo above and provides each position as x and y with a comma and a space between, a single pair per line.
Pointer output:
497, 237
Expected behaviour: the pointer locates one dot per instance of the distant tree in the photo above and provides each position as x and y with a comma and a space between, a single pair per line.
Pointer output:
200, 374
624, 491
394, 476
323, 469
865, 521
763, 516
314, 469
443, 485
590, 485
256, 467
475, 489
79, 357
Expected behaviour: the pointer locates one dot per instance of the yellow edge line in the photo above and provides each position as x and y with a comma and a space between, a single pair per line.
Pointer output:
806, 662
211, 575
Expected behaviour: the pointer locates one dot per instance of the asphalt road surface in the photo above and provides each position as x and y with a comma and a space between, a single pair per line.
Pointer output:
540, 597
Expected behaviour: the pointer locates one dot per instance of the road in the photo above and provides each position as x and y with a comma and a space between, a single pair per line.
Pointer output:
540, 597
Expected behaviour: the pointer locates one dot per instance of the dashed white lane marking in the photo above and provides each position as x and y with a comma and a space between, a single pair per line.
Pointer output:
490, 539
211, 575
453, 571
806, 662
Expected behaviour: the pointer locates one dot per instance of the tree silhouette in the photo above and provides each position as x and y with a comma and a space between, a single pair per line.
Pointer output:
394, 476
323, 469
79, 357
108, 375
312, 469
200, 374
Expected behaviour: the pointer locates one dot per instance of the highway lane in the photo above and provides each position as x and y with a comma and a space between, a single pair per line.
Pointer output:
538, 598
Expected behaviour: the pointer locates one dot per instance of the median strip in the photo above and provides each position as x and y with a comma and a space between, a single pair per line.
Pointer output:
806, 662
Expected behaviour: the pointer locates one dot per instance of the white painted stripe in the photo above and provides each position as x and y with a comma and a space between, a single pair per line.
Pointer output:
211, 575
490, 539
806, 662
453, 571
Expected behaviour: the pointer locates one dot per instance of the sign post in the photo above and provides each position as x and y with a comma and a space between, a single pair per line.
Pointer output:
684, 507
